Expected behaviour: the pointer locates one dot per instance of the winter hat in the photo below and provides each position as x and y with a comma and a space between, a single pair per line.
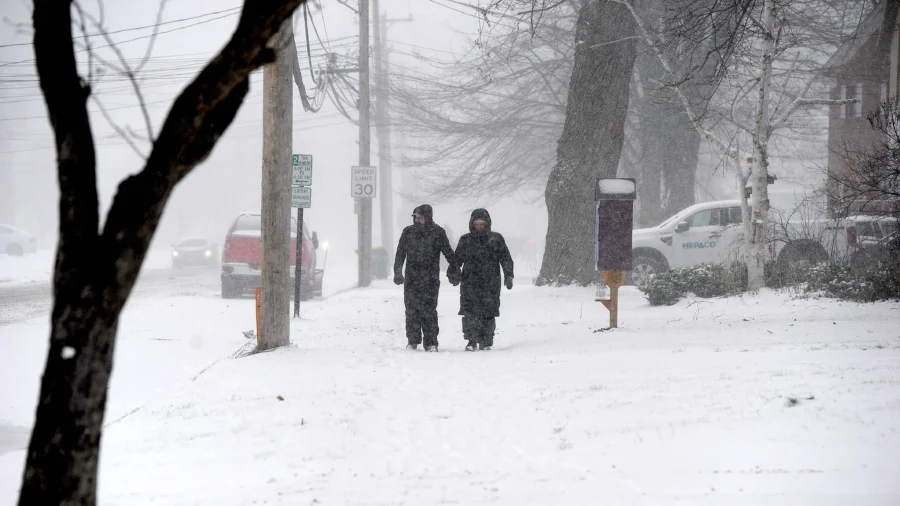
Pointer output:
480, 214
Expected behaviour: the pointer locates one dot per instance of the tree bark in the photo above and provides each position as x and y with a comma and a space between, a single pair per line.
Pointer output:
96, 271
591, 141
756, 247
276, 192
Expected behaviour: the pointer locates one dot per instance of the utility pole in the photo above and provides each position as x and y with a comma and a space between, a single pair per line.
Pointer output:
364, 219
276, 192
383, 128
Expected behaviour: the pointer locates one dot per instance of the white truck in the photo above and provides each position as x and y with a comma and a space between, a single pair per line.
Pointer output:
713, 232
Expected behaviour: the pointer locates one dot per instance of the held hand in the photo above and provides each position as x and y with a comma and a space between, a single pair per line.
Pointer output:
453, 278
509, 283
398, 279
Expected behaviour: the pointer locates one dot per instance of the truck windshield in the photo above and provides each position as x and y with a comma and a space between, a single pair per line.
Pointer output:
251, 222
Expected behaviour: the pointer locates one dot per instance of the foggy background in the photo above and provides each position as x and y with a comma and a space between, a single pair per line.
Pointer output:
208, 200
228, 183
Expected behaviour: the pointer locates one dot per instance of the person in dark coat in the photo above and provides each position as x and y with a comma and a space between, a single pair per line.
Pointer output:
481, 254
421, 245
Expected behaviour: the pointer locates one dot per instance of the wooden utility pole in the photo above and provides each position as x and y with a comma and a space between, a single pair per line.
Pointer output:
383, 128
276, 193
364, 219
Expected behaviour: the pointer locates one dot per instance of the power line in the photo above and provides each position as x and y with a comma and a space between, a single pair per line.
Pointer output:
145, 27
32, 60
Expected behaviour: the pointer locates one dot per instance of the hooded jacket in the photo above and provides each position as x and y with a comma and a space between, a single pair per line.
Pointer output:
482, 255
420, 247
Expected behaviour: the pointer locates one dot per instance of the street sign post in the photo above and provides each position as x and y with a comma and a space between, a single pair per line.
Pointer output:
363, 182
301, 197
614, 199
301, 170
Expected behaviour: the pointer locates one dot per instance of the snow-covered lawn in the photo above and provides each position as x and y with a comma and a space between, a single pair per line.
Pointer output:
761, 400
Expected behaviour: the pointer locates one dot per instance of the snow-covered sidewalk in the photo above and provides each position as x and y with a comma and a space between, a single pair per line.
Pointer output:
760, 400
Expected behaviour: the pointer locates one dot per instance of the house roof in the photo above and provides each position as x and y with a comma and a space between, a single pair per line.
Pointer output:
878, 23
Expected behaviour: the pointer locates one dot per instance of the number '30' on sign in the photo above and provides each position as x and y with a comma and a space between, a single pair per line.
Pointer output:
363, 182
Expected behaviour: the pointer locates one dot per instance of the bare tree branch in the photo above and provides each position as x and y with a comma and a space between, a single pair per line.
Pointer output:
95, 272
119, 130
127, 70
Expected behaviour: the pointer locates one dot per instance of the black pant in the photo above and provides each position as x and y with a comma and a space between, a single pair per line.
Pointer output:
478, 329
420, 298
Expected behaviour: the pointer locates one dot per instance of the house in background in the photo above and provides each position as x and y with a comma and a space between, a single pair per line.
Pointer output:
864, 68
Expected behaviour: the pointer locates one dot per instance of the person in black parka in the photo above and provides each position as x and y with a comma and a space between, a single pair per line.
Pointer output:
421, 245
481, 254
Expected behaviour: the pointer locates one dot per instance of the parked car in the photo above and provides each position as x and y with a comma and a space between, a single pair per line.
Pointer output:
15, 241
871, 252
242, 256
703, 233
194, 251
713, 232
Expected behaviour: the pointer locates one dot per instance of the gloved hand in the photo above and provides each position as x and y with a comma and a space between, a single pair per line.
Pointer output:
398, 279
509, 283
453, 277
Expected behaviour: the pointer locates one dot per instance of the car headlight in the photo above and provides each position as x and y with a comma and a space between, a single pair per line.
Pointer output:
208, 253
174, 253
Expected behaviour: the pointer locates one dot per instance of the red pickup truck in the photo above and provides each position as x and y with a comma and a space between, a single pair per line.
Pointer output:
242, 256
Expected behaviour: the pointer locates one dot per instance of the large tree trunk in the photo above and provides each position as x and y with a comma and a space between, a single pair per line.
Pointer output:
95, 272
591, 141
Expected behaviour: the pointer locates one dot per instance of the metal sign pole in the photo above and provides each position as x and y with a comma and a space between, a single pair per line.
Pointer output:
298, 262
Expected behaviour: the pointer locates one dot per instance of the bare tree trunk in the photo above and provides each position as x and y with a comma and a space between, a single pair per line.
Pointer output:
95, 272
756, 252
591, 141
670, 146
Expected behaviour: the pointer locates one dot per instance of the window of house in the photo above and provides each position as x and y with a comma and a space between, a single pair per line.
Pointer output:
857, 107
843, 106
851, 92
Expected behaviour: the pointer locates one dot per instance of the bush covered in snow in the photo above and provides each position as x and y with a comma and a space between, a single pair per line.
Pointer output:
879, 282
706, 280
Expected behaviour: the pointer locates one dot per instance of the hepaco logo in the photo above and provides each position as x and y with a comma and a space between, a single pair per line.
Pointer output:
696, 245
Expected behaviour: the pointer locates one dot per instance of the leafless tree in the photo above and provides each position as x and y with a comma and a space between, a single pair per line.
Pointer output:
96, 268
870, 181
591, 140
487, 125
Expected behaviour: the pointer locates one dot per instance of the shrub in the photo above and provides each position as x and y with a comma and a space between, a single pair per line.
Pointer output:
880, 281
706, 280
662, 290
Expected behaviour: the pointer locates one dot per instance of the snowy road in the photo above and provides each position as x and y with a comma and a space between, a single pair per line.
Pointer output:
756, 400
24, 302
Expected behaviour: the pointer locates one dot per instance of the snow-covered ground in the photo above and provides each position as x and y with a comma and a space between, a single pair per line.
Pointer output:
38, 267
756, 400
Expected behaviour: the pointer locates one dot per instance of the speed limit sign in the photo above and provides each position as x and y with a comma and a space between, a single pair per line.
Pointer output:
363, 182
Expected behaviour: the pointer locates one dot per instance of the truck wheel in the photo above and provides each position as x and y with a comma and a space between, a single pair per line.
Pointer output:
14, 250
642, 268
228, 289
800, 254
